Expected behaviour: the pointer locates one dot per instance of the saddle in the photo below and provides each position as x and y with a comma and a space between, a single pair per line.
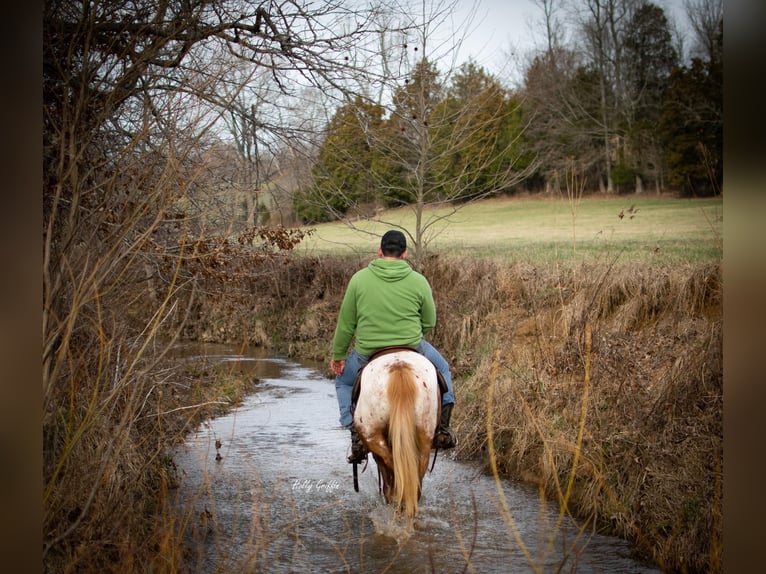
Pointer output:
385, 351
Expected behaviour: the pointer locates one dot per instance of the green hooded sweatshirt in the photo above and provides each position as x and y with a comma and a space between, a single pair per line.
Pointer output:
386, 304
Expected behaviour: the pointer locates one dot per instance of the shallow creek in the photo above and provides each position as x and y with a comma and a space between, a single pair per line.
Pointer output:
277, 495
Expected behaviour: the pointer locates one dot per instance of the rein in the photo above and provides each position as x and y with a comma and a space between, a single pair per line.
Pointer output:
433, 462
356, 474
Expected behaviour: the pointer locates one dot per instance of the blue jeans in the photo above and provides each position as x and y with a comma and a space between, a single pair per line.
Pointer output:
344, 383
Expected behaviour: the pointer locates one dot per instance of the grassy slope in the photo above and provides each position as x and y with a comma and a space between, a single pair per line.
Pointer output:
662, 230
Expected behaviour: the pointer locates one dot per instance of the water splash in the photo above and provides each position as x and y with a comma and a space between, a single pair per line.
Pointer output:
388, 522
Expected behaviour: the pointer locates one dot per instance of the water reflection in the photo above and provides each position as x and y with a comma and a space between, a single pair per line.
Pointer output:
281, 498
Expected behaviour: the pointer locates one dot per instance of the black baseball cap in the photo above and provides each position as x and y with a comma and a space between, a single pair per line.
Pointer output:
393, 240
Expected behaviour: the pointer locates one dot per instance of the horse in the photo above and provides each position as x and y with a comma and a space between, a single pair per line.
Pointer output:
396, 416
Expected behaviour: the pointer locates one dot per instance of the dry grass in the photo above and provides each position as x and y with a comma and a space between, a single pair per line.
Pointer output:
648, 465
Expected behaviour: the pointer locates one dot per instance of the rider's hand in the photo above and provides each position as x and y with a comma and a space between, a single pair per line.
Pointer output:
337, 367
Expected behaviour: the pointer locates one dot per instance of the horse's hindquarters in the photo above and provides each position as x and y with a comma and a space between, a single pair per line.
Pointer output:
395, 416
372, 411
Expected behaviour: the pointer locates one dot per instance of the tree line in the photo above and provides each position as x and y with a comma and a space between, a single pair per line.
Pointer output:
618, 110
285, 115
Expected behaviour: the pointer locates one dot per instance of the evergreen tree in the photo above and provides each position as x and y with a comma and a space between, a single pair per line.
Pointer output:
343, 173
691, 125
474, 140
650, 59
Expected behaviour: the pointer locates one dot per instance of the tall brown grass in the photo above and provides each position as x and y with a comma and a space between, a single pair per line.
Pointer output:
106, 392
113, 267
633, 425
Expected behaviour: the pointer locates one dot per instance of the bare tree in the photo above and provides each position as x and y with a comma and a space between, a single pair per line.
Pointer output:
552, 25
706, 18
249, 118
123, 79
133, 96
565, 114
442, 142
601, 27
562, 101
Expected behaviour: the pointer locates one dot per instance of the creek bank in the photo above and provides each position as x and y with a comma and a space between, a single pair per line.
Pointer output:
607, 442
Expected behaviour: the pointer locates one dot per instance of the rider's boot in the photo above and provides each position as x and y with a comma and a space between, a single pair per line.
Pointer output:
358, 450
444, 437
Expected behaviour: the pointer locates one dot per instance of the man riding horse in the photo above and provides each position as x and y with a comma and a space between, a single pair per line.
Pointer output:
386, 304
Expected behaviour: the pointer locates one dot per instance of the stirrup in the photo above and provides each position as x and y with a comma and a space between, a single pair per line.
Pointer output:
358, 450
445, 439
357, 457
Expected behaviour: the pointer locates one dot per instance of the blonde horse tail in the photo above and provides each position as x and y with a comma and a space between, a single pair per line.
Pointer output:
402, 392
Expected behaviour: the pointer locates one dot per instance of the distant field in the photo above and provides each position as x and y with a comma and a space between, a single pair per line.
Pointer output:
662, 230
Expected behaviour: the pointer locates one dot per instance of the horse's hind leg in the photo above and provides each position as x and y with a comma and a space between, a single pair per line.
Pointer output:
424, 440
378, 445
387, 478
384, 459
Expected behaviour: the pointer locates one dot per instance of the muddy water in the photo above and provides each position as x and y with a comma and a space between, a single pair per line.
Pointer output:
278, 496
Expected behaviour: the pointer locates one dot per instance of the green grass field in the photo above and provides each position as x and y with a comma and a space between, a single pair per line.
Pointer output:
657, 229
